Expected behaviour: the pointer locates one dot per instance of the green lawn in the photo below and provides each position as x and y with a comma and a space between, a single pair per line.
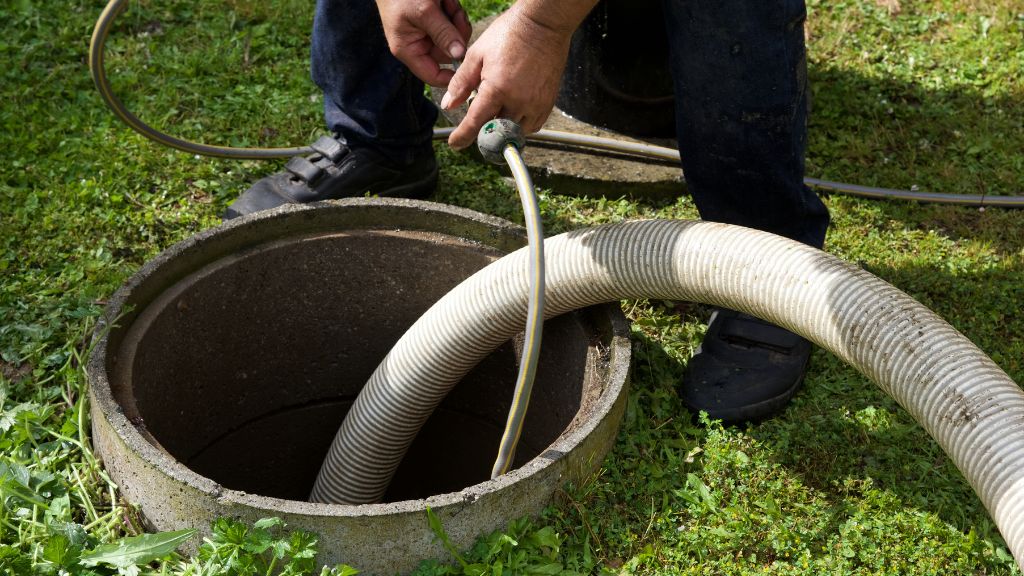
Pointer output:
918, 93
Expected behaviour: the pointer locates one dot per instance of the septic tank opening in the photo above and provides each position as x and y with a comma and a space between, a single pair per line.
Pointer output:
244, 369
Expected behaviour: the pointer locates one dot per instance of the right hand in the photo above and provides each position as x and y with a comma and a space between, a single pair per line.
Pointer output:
516, 68
423, 34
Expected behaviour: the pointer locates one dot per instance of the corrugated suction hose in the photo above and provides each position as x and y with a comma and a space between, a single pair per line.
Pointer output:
959, 395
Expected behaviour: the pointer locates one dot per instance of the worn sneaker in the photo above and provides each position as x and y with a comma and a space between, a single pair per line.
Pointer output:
745, 370
336, 171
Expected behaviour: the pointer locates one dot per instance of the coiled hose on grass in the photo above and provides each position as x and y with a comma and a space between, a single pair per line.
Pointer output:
959, 395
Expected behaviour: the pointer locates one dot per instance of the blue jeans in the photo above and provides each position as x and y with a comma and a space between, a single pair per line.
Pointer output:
370, 98
740, 79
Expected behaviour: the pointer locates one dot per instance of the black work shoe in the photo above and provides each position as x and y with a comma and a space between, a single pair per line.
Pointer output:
337, 171
745, 370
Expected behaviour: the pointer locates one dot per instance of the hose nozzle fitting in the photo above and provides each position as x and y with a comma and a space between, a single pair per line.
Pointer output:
495, 135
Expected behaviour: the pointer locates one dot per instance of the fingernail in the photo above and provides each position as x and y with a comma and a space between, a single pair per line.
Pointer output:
456, 50
446, 100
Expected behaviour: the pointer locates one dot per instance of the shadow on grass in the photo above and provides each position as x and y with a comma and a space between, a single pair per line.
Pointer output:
885, 132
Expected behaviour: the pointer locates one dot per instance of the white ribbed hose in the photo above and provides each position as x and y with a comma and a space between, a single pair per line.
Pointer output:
966, 402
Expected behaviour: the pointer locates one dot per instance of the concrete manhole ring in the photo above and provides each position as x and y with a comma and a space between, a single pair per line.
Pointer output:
225, 365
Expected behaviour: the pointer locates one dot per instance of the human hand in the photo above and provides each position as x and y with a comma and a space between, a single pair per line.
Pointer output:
423, 34
516, 68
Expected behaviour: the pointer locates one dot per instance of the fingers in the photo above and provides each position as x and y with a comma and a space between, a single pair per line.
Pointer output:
426, 34
490, 102
424, 67
516, 117
463, 82
534, 124
529, 120
458, 17
443, 33
484, 107
439, 56
521, 86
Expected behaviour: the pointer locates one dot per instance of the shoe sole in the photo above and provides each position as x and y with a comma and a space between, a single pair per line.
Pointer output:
757, 412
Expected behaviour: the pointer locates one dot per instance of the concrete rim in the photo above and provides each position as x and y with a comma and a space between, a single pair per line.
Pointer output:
506, 233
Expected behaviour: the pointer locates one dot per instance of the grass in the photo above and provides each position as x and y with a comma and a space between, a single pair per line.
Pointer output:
924, 93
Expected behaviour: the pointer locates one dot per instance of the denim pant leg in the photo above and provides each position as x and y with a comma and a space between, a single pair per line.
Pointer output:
370, 98
740, 76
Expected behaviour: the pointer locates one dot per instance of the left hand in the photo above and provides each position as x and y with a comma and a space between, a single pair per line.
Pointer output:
516, 68
423, 34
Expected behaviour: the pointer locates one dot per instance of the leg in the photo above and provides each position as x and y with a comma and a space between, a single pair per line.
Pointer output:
739, 72
370, 98
375, 107
739, 69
